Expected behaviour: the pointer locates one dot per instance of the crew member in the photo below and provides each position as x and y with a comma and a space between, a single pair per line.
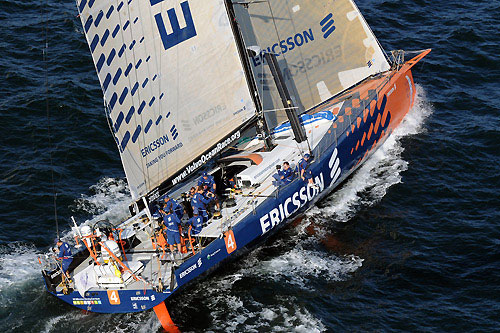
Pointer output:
172, 222
286, 174
231, 183
64, 255
172, 205
207, 182
197, 223
199, 203
305, 172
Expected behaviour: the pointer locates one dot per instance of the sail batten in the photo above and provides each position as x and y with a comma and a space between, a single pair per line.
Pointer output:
172, 79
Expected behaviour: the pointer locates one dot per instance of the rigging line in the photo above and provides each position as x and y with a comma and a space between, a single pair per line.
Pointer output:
45, 51
279, 38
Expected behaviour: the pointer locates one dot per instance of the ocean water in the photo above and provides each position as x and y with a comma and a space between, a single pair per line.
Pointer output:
410, 243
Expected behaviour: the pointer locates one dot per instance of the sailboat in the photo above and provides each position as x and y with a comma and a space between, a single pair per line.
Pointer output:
232, 90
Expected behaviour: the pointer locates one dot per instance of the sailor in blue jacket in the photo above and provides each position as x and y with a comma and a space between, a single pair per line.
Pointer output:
64, 255
197, 223
286, 174
172, 205
305, 172
208, 181
199, 203
172, 224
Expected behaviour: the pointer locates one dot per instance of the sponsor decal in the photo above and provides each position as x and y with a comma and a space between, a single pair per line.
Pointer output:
164, 154
392, 90
86, 301
411, 89
178, 34
286, 45
213, 254
200, 118
156, 144
334, 165
142, 298
296, 41
191, 268
291, 205
206, 157
56, 273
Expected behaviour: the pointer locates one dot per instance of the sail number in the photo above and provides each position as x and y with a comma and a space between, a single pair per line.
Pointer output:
114, 298
230, 241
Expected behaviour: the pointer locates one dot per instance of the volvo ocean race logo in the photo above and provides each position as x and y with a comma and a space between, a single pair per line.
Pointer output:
178, 34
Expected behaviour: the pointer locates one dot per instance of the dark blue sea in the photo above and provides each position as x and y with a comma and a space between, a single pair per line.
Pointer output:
410, 243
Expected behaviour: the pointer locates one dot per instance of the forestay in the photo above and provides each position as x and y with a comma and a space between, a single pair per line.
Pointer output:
323, 47
172, 80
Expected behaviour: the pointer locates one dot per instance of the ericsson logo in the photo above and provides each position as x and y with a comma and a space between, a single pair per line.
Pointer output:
334, 166
178, 34
327, 26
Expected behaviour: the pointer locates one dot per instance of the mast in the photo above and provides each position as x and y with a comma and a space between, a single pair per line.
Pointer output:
297, 128
262, 127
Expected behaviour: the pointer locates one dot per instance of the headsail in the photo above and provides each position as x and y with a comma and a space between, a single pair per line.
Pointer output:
173, 82
323, 47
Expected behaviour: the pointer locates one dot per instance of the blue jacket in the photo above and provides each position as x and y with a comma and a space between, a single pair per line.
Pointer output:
304, 165
197, 223
172, 222
65, 252
208, 182
174, 206
287, 175
199, 202
65, 255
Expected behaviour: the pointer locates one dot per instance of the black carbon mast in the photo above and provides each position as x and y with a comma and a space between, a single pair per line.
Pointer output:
262, 127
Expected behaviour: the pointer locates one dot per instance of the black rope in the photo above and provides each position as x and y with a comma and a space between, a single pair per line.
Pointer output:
45, 62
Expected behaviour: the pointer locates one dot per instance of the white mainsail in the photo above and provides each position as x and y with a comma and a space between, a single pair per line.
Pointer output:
173, 83
322, 47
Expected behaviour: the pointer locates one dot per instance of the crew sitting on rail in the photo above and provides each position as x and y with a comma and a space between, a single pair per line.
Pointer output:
64, 255
172, 222
305, 171
199, 203
172, 205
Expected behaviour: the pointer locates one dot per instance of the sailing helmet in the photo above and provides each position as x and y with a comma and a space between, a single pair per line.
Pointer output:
307, 155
